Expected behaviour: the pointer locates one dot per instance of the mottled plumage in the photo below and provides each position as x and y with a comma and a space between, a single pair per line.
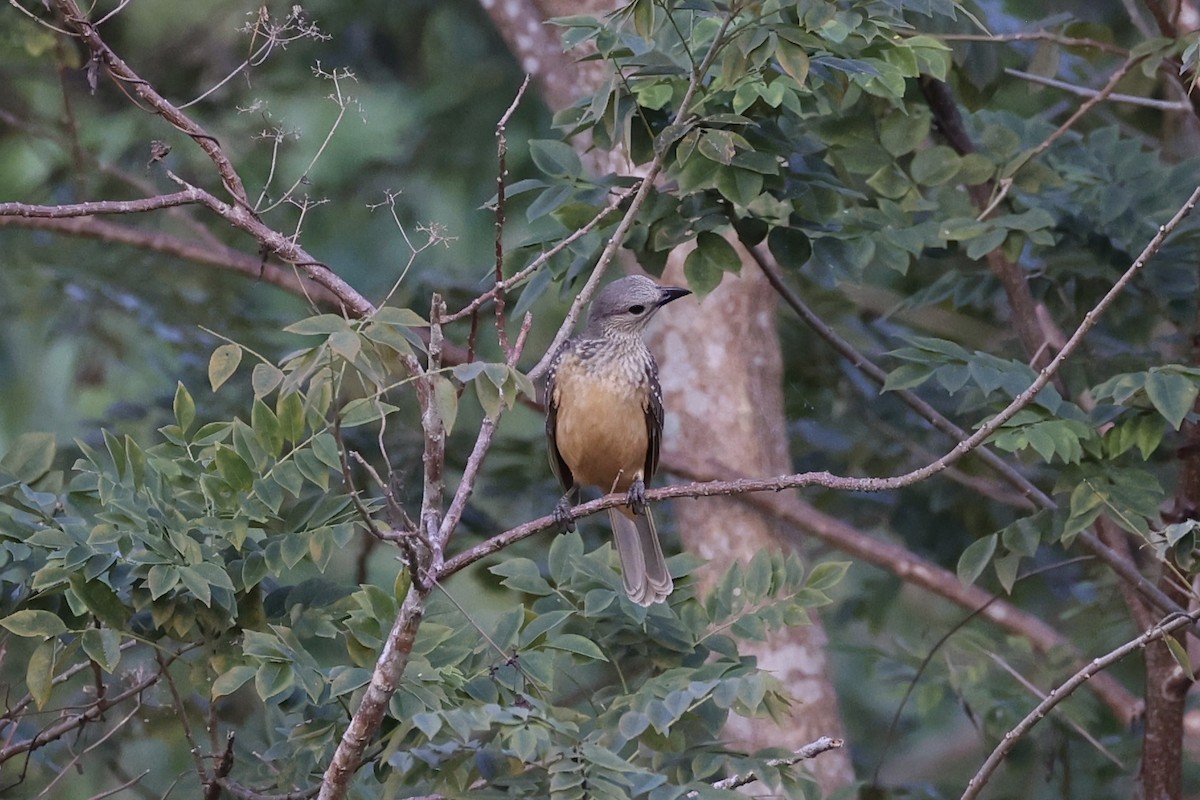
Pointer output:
604, 421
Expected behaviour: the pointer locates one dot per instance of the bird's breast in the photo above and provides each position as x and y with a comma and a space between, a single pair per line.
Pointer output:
600, 429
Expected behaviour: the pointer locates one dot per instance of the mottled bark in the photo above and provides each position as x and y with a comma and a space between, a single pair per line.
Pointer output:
722, 374
719, 402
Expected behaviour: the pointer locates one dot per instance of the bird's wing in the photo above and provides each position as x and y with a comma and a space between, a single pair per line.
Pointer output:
654, 423
561, 470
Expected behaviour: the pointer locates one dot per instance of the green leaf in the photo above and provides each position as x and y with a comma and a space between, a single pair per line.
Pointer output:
718, 146
325, 448
266, 427
161, 579
273, 680
34, 624
223, 363
320, 325
346, 344
793, 60
574, 643
100, 600
1006, 567
264, 379
289, 408
826, 575
632, 724
1180, 654
704, 265
900, 134
975, 559
935, 165
791, 247
907, 376
364, 410
1173, 395
39, 672
103, 645
740, 186
446, 398
489, 398
197, 584
556, 158
404, 317
30, 456
184, 407
232, 679
233, 469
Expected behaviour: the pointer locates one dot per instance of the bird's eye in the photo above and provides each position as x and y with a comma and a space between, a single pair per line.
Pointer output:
636, 309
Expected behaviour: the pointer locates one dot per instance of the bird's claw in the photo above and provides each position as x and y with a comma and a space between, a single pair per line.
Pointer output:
562, 515
637, 497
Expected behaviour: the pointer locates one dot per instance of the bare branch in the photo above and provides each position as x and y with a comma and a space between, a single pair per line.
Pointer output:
1056, 696
501, 180
93, 712
1104, 93
181, 713
186, 197
123, 74
1035, 36
209, 254
808, 751
1082, 91
540, 261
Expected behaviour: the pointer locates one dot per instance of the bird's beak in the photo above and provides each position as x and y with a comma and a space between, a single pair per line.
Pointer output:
668, 293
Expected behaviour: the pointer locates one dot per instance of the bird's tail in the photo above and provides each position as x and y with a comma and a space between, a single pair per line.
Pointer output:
643, 567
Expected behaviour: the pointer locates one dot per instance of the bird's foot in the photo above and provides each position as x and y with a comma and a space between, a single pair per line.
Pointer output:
562, 514
637, 497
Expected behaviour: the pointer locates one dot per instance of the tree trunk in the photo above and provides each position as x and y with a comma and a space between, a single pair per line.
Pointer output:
721, 371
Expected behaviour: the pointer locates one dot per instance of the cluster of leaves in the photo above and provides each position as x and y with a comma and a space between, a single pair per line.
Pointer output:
224, 530
752, 153
1132, 411
580, 693
810, 133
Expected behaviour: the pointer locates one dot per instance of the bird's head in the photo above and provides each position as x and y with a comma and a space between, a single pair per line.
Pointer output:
627, 304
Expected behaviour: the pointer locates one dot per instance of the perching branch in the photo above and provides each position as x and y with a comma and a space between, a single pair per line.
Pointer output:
842, 483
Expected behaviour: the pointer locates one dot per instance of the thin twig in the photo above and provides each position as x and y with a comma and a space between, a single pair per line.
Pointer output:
1057, 695
1034, 36
181, 713
808, 751
92, 712
501, 182
860, 361
188, 196
121, 788
124, 75
635, 205
617, 198
1147, 102
1084, 107
1030, 687
842, 483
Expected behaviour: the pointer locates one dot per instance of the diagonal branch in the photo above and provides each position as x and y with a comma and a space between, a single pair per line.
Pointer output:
1056, 696
124, 74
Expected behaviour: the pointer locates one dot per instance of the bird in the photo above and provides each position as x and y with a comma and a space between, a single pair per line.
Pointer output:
604, 420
